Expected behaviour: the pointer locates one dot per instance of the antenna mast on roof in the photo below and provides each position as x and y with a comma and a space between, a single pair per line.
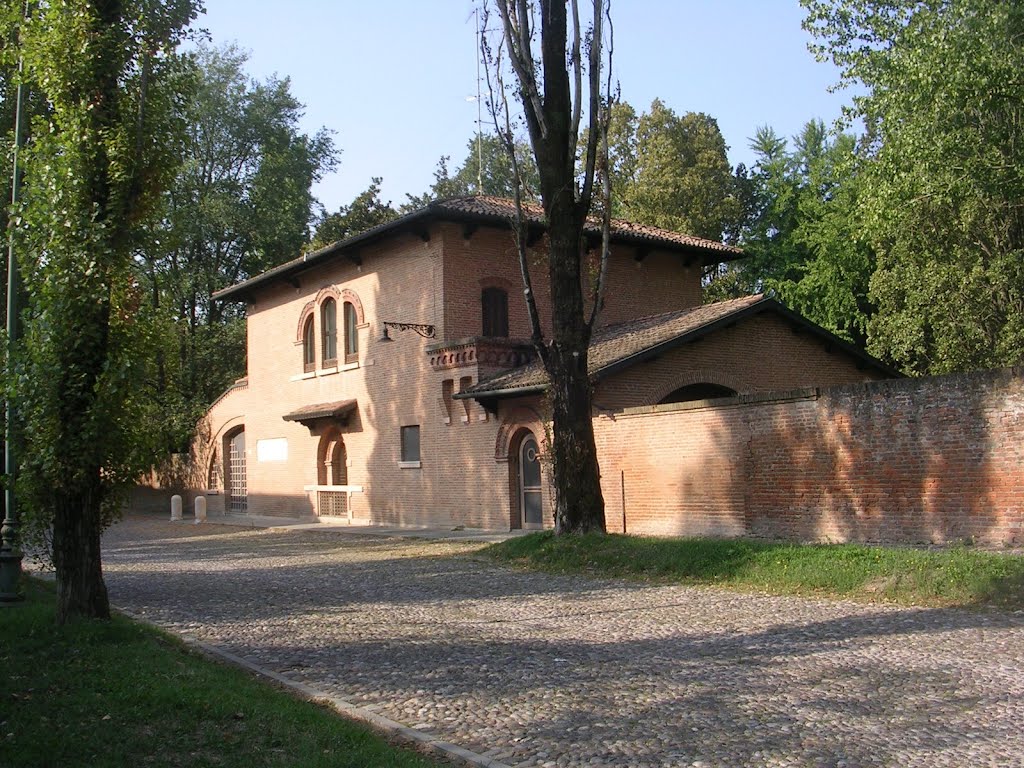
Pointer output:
479, 113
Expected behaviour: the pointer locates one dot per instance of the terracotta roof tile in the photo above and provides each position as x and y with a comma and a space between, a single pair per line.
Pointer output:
496, 210
503, 208
616, 343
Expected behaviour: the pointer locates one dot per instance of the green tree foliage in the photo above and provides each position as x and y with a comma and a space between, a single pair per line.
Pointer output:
487, 170
803, 234
672, 171
240, 204
94, 167
943, 179
365, 212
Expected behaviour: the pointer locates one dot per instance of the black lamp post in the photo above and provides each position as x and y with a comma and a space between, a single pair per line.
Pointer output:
10, 550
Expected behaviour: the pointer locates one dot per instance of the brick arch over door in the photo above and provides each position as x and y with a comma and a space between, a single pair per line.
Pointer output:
516, 419
214, 445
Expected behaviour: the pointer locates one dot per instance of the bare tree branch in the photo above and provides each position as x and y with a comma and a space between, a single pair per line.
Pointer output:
518, 34
594, 73
604, 168
577, 69
519, 224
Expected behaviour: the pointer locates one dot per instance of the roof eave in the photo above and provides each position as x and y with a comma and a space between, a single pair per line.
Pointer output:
502, 394
241, 291
823, 333
762, 305
439, 211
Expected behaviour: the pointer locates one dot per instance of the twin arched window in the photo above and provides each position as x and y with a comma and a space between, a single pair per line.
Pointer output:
329, 332
351, 337
308, 346
329, 336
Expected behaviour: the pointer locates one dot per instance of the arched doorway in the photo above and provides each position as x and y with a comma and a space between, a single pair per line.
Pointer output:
332, 470
528, 485
234, 472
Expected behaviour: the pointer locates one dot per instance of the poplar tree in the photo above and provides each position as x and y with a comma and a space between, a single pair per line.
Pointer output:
94, 166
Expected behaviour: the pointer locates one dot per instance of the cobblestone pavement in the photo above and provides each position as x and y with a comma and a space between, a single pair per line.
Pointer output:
536, 670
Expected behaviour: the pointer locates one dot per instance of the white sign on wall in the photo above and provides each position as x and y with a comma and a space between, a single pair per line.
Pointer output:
272, 450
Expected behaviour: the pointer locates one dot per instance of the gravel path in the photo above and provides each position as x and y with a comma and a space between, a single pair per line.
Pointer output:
539, 670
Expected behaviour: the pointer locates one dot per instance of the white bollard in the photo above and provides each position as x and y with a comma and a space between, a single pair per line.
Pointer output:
200, 509
175, 508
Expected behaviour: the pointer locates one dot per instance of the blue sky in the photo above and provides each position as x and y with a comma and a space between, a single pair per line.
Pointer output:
392, 78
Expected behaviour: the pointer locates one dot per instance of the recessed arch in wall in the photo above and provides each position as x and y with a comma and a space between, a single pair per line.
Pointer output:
332, 459
698, 385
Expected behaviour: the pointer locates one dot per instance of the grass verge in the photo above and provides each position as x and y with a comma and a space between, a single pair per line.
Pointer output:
119, 694
952, 577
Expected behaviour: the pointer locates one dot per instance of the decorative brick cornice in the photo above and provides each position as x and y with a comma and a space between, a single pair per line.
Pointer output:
492, 353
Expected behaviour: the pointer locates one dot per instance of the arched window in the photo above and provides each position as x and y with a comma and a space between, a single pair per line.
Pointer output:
351, 336
329, 330
308, 346
701, 391
494, 305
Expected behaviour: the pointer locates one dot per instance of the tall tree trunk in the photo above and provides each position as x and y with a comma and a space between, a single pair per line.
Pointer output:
552, 106
579, 503
77, 501
76, 553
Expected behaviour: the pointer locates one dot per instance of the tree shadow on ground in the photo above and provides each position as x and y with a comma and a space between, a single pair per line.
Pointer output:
654, 675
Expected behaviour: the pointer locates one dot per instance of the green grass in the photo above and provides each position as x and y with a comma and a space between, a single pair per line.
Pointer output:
958, 576
119, 694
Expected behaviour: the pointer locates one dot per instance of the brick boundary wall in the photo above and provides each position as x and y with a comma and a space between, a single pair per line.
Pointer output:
930, 460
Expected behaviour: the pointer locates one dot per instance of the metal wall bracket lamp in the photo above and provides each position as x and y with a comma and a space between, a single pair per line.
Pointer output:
426, 331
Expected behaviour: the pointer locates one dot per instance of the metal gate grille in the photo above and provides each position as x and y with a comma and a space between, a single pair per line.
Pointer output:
332, 504
236, 470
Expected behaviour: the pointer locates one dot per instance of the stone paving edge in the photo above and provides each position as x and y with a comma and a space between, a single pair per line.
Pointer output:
344, 708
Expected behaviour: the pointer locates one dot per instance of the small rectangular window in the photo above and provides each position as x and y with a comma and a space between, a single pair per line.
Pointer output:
411, 444
494, 305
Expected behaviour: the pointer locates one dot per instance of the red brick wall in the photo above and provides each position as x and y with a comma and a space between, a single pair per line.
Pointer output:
933, 460
660, 283
759, 354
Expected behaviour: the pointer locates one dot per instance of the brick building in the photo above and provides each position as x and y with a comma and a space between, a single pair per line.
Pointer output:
390, 378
